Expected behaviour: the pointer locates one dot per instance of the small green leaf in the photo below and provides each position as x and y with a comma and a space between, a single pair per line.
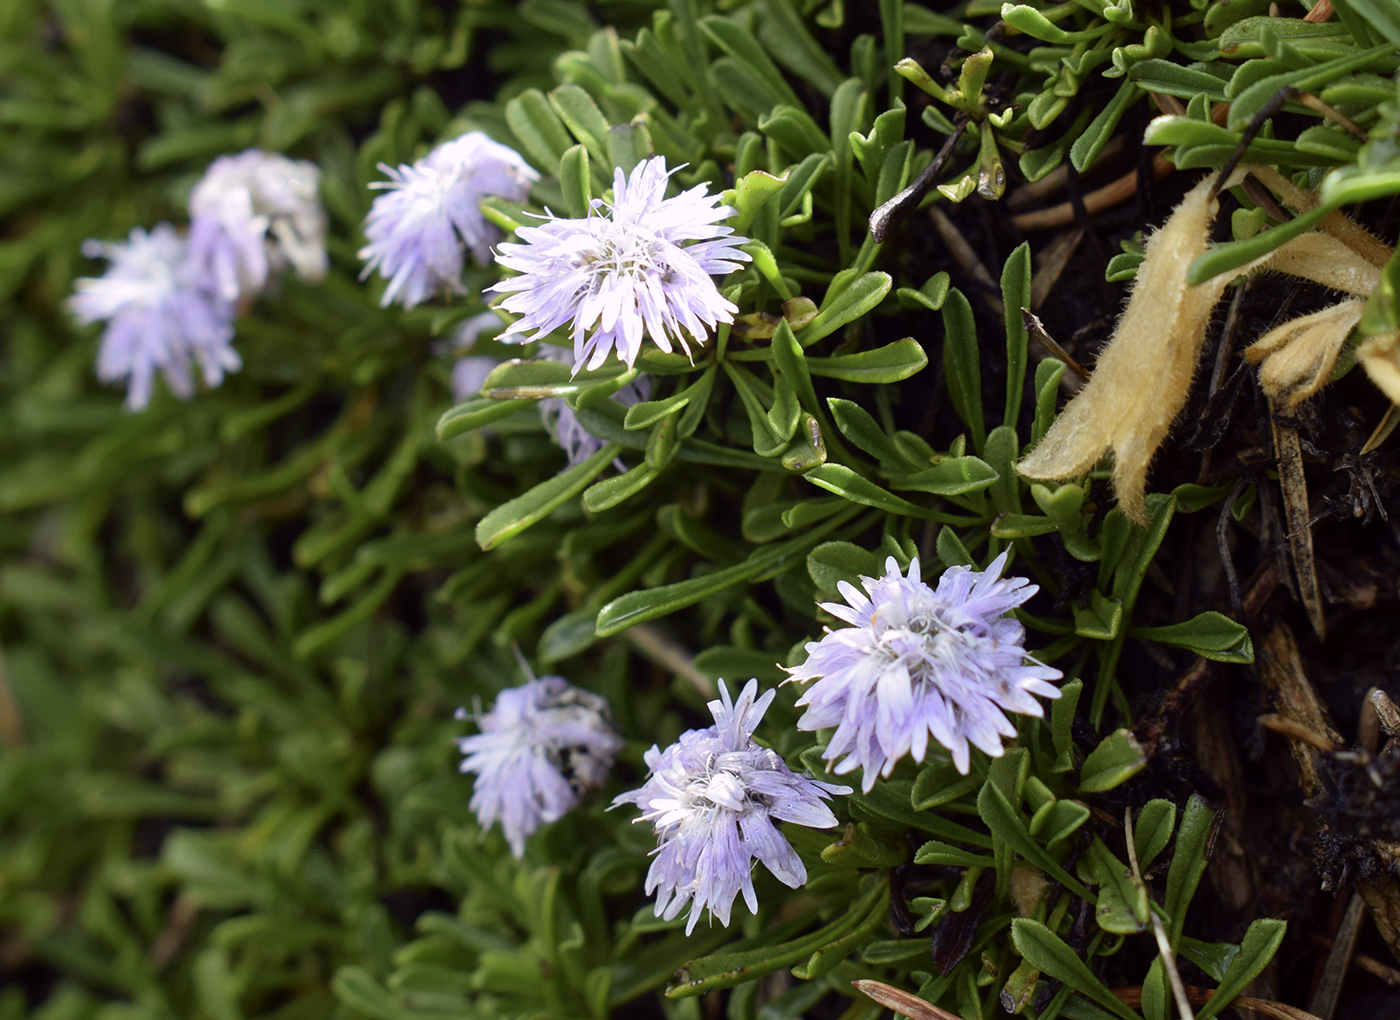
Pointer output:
1172, 79
1063, 505
724, 970
1021, 526
536, 378
861, 428
651, 603
574, 181
889, 364
951, 550
961, 365
750, 193
584, 120
1087, 146
1043, 949
1152, 831
767, 440
648, 413
831, 562
1038, 26
1209, 634
844, 303
1062, 723
954, 476
1189, 858
1047, 393
476, 412
844, 482
1122, 906
514, 516
1005, 824
1117, 759
533, 121
610, 492
359, 990
1212, 957
1260, 944
1101, 619
936, 852
940, 783
929, 297
1015, 295
1000, 451
860, 846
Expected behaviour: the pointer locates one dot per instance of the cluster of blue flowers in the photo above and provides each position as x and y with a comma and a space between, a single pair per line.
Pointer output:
170, 300
914, 663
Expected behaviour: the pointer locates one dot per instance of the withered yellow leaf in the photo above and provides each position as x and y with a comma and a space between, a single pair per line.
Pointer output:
1142, 377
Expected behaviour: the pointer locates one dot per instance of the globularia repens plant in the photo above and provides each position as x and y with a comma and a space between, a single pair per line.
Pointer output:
364, 360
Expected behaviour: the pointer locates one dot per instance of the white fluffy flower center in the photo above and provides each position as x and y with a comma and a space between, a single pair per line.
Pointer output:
925, 643
718, 787
625, 252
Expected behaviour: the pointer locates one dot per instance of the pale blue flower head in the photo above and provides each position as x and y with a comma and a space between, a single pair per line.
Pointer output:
431, 210
251, 216
917, 662
541, 747
713, 797
159, 317
642, 268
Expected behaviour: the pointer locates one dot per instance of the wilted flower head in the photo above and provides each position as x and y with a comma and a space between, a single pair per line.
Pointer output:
251, 215
158, 316
628, 272
430, 210
541, 747
713, 797
917, 662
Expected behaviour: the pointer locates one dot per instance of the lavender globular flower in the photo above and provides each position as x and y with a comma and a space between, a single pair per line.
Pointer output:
713, 797
542, 746
159, 316
431, 210
917, 662
251, 216
643, 268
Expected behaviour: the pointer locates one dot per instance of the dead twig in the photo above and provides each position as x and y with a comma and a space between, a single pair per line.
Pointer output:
1297, 731
902, 1002
1164, 945
1037, 332
1200, 996
1294, 486
1324, 998
1096, 201
966, 257
670, 656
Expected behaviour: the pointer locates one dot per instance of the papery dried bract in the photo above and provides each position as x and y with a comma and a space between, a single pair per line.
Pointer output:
1324, 259
1380, 356
1142, 377
1296, 359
